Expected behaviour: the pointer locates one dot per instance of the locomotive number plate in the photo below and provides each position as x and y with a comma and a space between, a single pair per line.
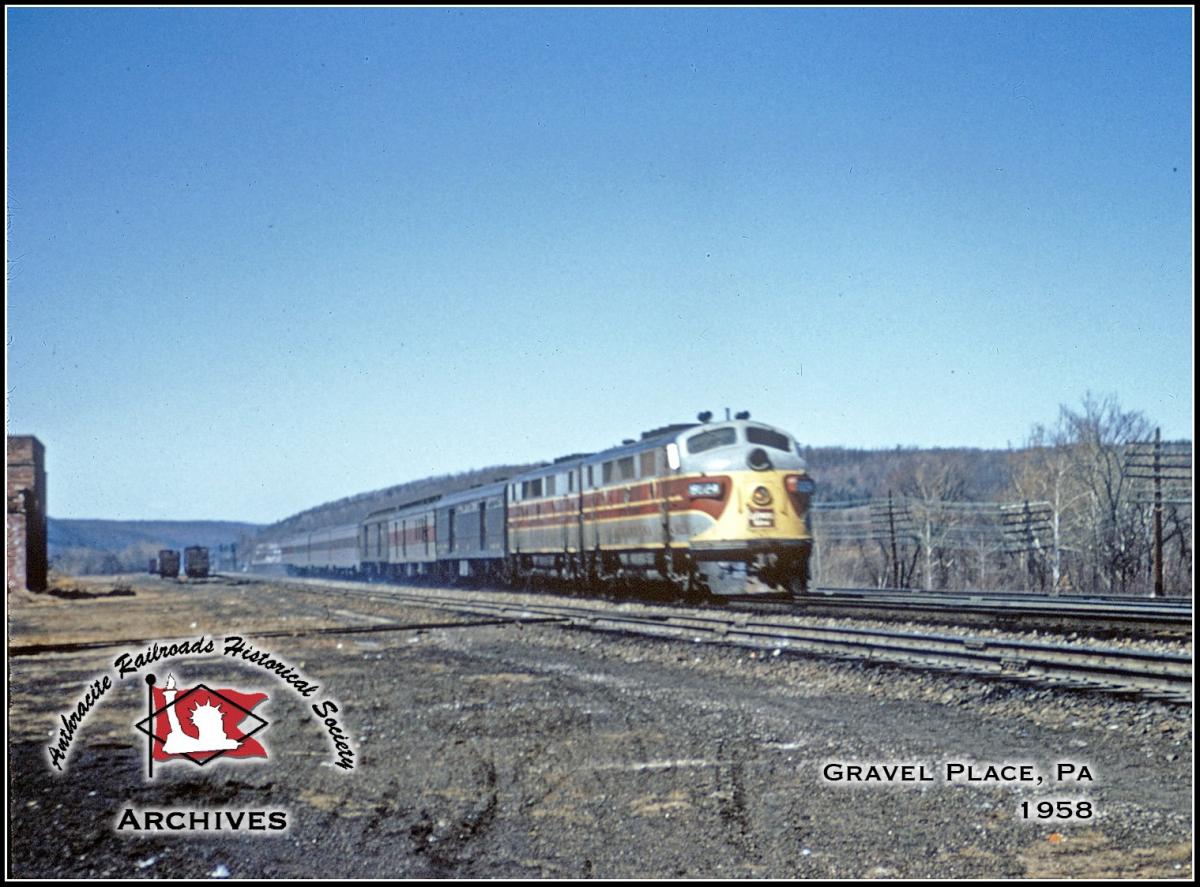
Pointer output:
762, 518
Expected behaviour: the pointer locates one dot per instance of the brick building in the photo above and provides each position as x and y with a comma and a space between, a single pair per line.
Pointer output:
26, 535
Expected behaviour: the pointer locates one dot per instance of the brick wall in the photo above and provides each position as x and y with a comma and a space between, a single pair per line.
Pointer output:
25, 535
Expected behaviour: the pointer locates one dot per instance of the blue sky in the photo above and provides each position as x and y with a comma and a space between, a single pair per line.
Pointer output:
264, 258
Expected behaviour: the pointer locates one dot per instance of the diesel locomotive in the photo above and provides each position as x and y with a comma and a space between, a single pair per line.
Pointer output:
712, 508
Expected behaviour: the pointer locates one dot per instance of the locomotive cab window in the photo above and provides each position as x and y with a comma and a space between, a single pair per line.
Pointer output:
768, 438
710, 440
647, 466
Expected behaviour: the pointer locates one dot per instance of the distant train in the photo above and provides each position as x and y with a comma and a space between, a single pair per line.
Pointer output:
168, 563
711, 508
195, 562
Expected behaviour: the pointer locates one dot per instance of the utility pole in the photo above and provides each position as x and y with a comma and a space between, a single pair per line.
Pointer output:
1023, 525
892, 531
898, 522
1158, 571
1173, 464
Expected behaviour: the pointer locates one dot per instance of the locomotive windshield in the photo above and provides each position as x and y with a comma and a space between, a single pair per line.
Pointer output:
709, 440
768, 438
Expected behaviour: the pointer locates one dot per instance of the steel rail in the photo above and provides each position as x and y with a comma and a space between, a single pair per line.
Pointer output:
1155, 675
1146, 615
1119, 601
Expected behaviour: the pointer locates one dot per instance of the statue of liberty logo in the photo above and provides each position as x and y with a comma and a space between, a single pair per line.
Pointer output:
200, 724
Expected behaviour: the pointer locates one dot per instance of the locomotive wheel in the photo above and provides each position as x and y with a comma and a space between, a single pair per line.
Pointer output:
798, 586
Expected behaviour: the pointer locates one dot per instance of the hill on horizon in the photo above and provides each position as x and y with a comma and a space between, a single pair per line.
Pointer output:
353, 508
95, 546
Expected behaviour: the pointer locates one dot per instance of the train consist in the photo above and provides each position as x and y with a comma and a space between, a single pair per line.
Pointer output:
711, 508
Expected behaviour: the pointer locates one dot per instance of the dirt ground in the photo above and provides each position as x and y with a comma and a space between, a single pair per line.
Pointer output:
498, 750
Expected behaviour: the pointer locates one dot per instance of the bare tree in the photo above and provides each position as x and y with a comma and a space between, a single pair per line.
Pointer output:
1114, 544
1048, 470
930, 481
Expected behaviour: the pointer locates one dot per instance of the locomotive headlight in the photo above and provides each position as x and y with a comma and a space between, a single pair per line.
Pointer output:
799, 484
706, 490
761, 497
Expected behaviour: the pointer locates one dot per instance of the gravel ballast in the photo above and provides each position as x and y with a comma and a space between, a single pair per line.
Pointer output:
487, 750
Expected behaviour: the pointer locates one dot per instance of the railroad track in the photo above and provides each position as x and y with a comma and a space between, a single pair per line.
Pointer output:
1102, 616
1147, 674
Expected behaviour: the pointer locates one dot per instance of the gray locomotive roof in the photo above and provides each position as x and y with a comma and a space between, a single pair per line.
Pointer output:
664, 435
649, 440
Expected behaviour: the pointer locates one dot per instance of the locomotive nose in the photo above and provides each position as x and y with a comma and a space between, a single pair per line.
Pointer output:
758, 459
